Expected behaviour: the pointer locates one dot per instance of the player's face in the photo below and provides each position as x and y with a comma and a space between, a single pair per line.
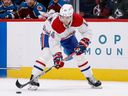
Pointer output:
65, 19
30, 2
7, 2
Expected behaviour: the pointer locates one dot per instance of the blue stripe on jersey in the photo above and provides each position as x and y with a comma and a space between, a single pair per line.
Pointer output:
85, 69
38, 68
3, 49
44, 40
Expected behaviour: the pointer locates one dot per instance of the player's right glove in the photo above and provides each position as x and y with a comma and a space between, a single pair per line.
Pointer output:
82, 45
57, 58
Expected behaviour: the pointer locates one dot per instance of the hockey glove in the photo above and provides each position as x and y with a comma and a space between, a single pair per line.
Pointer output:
57, 58
82, 45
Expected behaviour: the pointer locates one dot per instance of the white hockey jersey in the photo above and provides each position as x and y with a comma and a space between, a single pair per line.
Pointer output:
62, 32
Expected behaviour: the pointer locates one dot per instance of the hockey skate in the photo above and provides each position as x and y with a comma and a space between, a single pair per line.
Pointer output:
34, 85
94, 83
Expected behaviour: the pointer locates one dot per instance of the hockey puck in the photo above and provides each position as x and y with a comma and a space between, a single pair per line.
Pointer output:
18, 92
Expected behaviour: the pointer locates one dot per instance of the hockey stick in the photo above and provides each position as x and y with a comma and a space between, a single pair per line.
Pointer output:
10, 68
19, 85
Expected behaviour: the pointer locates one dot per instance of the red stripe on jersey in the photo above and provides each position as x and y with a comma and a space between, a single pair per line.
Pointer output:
40, 63
83, 64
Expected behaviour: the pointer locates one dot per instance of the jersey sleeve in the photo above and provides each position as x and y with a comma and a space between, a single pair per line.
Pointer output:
85, 30
54, 43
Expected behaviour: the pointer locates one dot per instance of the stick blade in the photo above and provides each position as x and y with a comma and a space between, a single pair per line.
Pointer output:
18, 84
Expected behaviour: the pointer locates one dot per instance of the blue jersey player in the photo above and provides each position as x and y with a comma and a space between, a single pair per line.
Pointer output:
7, 9
31, 9
56, 5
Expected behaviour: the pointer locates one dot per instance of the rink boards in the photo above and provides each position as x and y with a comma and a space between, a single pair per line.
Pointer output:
108, 52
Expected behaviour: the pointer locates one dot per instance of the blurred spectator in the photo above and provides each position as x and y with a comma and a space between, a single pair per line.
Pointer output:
103, 9
7, 10
17, 2
86, 8
44, 2
120, 9
56, 5
31, 9
0, 2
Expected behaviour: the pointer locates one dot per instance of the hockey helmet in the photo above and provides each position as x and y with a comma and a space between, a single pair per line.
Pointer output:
66, 10
66, 14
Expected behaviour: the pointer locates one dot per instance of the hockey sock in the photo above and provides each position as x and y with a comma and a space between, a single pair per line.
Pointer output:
85, 68
38, 68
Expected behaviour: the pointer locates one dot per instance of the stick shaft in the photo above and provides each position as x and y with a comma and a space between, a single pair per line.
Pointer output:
23, 85
15, 68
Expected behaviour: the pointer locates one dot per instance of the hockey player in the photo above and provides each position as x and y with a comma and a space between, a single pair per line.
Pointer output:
64, 36
69, 42
31, 9
120, 9
56, 5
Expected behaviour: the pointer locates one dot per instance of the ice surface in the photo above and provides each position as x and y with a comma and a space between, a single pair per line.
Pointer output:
63, 88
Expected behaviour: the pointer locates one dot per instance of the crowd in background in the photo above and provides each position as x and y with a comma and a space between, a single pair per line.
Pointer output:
104, 8
32, 9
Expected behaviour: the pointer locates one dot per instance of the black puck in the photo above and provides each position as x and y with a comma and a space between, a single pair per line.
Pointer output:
18, 92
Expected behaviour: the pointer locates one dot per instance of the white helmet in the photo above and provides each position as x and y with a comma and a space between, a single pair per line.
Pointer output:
66, 10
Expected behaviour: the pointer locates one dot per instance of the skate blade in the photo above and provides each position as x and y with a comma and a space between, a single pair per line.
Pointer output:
32, 88
98, 87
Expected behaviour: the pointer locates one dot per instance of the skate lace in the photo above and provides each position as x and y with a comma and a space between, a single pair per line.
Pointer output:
35, 80
93, 80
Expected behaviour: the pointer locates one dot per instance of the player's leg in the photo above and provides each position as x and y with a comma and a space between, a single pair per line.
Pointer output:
39, 66
85, 68
69, 45
41, 62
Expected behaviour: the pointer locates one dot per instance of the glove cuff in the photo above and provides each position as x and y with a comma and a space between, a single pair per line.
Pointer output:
85, 42
58, 54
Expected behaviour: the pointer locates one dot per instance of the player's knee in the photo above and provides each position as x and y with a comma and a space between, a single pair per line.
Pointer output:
81, 59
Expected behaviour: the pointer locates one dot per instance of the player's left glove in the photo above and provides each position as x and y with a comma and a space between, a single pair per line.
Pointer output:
82, 45
57, 58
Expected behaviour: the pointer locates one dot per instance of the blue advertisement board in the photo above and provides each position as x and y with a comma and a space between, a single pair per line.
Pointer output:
3, 49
